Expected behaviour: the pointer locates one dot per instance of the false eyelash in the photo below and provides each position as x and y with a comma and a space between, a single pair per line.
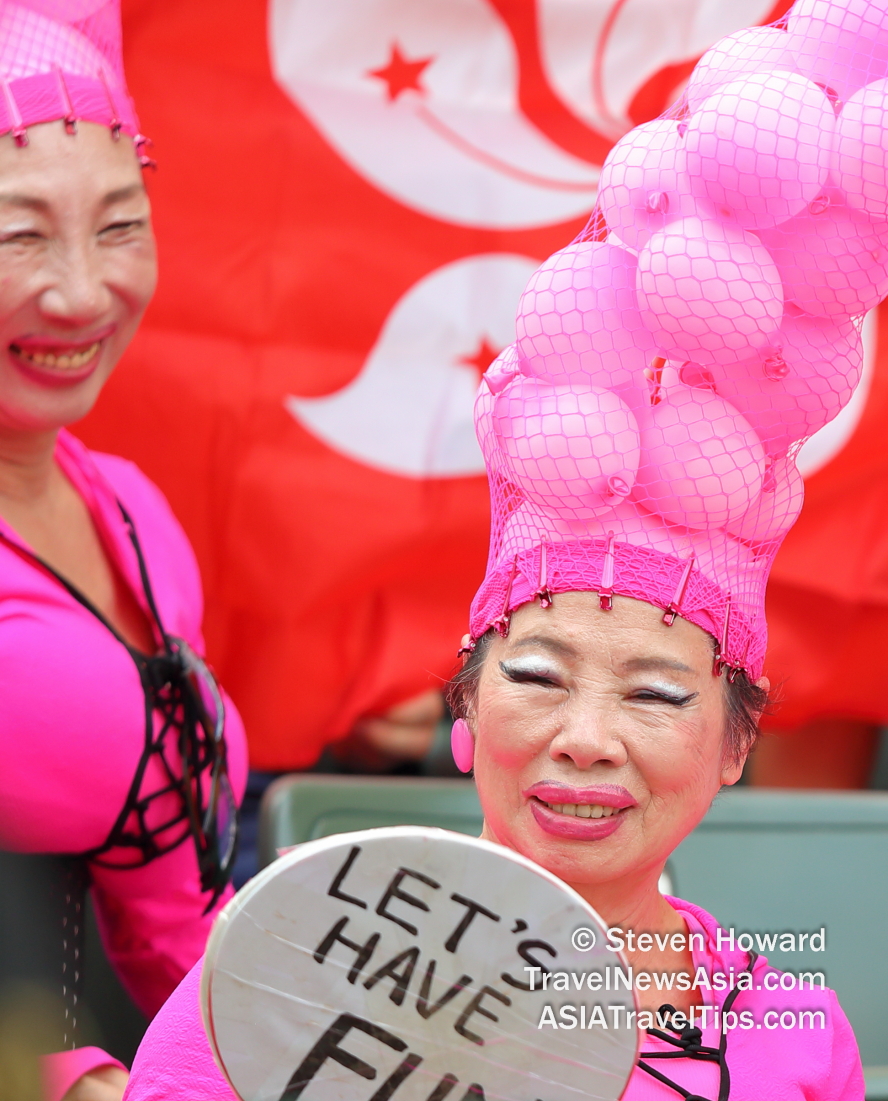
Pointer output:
676, 701
525, 676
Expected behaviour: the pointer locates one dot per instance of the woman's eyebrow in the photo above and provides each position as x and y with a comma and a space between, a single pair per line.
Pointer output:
29, 202
653, 664
556, 646
120, 194
34, 202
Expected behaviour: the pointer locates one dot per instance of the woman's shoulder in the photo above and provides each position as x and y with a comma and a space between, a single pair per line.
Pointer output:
125, 480
109, 481
139, 495
784, 1024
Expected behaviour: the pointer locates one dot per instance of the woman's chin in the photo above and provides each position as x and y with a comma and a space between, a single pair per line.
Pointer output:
34, 408
577, 861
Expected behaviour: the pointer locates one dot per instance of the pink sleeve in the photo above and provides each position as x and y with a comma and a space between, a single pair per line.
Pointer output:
62, 1069
152, 923
845, 1079
174, 1062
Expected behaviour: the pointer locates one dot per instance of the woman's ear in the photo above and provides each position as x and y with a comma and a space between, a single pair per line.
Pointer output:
732, 771
465, 648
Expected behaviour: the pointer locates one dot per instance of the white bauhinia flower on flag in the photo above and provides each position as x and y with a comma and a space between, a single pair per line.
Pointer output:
432, 101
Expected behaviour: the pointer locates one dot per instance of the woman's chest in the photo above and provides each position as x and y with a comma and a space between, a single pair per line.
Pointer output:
73, 712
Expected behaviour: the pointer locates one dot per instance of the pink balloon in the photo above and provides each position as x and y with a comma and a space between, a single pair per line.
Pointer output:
833, 260
800, 384
495, 379
840, 44
578, 320
701, 463
643, 185
777, 507
758, 148
756, 50
572, 450
708, 291
503, 369
860, 151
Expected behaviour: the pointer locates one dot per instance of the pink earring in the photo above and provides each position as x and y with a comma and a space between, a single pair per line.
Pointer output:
462, 745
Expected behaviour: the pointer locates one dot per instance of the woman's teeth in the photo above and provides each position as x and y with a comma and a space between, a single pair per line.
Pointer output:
582, 810
65, 361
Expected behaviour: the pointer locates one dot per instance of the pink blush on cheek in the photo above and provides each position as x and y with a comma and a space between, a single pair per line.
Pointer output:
574, 829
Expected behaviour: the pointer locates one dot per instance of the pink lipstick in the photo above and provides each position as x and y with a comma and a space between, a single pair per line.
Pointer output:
54, 362
581, 814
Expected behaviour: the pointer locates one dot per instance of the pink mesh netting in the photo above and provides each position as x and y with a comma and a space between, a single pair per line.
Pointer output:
62, 59
640, 435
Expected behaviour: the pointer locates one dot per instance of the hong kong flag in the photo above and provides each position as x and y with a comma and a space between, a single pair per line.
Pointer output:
351, 196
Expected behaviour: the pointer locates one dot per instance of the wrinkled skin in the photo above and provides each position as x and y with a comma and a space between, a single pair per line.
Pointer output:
578, 696
77, 260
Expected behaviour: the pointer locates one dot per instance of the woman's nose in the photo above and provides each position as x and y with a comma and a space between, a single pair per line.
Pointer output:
77, 294
588, 737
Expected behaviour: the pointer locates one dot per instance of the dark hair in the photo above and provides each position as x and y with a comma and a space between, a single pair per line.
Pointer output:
744, 701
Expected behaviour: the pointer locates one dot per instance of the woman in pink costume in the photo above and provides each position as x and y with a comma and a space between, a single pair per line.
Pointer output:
640, 439
113, 734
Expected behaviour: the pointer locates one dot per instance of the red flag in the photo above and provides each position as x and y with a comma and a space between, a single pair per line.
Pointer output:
350, 198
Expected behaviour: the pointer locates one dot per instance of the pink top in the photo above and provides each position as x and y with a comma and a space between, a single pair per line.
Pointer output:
174, 1062
74, 724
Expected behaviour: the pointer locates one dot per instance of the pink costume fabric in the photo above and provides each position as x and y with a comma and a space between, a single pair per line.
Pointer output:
174, 1062
62, 59
73, 731
640, 435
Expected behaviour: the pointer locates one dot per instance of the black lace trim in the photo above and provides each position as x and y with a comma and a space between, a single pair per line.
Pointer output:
688, 1041
176, 739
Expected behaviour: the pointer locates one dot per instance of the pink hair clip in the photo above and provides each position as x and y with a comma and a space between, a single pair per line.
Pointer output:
721, 662
69, 117
19, 133
501, 623
606, 591
115, 124
543, 591
674, 608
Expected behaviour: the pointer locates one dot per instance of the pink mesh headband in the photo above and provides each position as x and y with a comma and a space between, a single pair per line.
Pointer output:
640, 436
62, 60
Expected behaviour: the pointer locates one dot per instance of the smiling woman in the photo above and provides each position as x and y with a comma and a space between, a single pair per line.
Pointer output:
122, 759
600, 741
78, 256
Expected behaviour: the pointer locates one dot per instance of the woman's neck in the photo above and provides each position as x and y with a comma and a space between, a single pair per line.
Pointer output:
634, 904
27, 466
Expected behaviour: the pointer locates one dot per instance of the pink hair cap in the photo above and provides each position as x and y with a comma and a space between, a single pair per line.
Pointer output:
62, 60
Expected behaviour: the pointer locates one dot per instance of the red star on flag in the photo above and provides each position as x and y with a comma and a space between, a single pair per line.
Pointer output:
400, 74
482, 358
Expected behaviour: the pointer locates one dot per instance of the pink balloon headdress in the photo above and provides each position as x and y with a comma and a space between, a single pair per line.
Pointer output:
640, 435
62, 60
